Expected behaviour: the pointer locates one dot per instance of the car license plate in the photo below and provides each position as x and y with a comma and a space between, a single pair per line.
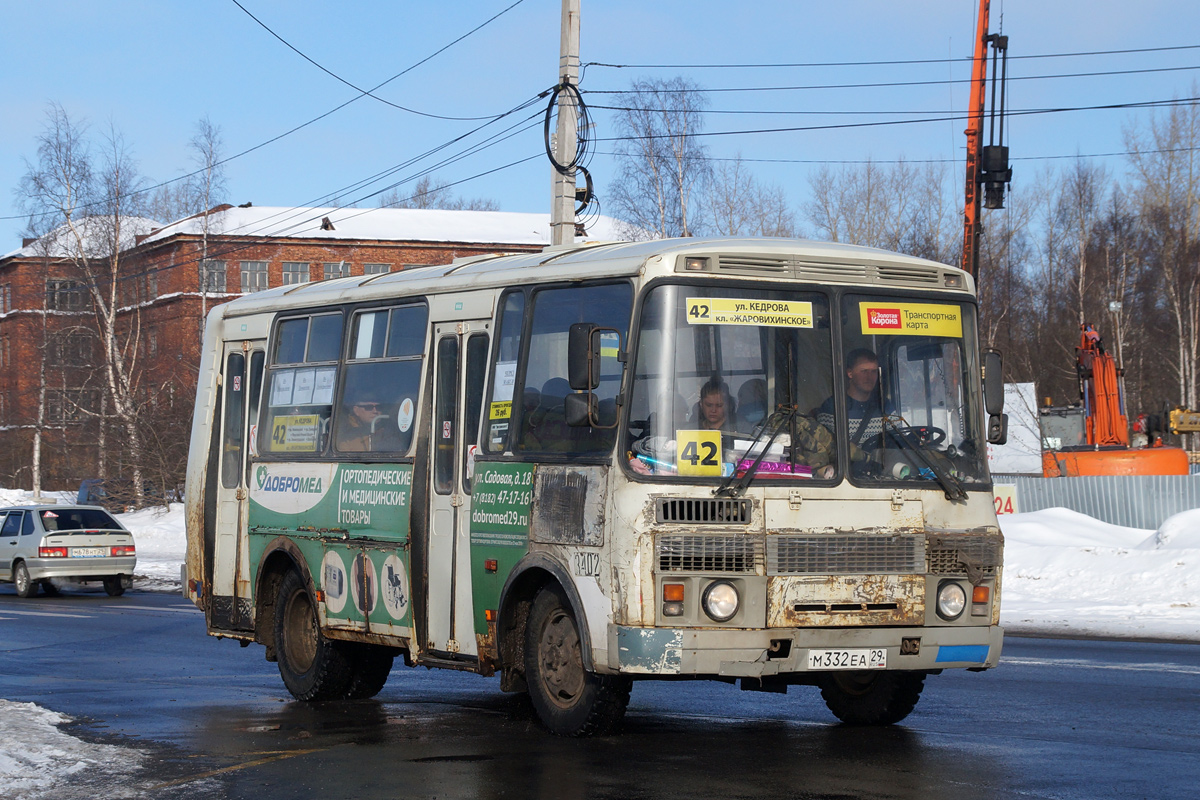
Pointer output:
88, 552
874, 658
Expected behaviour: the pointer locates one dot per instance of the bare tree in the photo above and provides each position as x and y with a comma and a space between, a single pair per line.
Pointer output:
663, 167
96, 202
430, 192
739, 205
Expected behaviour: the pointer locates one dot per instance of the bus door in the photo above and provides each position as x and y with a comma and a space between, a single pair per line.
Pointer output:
241, 384
460, 365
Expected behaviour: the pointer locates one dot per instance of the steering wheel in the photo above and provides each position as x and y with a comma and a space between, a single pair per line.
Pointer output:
917, 436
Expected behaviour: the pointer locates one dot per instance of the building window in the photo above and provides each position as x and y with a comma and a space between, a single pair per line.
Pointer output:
151, 284
4, 355
5, 298
254, 276
339, 270
62, 295
70, 406
69, 350
152, 342
376, 269
212, 276
295, 272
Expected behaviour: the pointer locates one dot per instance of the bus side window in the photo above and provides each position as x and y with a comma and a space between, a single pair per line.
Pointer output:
300, 384
477, 347
235, 425
505, 402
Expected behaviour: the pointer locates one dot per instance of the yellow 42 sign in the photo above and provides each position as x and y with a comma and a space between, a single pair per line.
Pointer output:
698, 453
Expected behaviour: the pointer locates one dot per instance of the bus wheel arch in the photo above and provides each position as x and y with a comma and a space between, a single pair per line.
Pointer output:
280, 557
531, 575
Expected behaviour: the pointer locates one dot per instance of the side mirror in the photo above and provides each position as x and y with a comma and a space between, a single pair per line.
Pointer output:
997, 429
993, 383
578, 409
583, 365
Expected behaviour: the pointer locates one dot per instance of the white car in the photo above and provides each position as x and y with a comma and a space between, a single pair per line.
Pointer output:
79, 543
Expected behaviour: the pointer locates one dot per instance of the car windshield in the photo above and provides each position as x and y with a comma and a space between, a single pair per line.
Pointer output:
714, 365
77, 519
910, 408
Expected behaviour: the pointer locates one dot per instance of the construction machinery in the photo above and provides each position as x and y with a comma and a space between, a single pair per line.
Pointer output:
1092, 437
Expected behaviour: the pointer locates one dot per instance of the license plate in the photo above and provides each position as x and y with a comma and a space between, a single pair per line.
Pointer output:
89, 552
874, 658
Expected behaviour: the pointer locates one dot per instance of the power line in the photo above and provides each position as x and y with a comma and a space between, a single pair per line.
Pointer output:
370, 92
962, 59
318, 118
886, 85
954, 118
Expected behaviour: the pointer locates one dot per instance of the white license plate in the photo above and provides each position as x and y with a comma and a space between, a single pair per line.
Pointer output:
89, 552
874, 658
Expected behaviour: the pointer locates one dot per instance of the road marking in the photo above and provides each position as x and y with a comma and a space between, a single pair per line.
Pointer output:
1084, 664
175, 609
45, 614
256, 763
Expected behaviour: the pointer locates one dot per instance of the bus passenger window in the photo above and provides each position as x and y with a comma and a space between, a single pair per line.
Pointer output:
235, 426
377, 408
300, 384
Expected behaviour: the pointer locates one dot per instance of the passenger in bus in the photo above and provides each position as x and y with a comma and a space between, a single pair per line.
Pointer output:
864, 407
715, 411
363, 427
545, 425
752, 404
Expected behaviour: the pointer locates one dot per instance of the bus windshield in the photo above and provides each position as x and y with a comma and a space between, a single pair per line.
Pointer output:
908, 410
713, 367
725, 375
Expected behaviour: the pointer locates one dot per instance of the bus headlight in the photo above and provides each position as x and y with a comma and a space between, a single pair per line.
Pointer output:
951, 600
720, 601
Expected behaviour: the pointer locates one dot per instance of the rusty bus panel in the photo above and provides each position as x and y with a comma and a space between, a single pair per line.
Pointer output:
845, 600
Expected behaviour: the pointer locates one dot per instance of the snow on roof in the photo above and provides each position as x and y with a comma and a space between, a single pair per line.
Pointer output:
97, 234
396, 224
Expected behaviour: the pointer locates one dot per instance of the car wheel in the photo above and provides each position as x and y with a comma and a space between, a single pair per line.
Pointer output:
312, 667
25, 586
569, 700
114, 587
872, 698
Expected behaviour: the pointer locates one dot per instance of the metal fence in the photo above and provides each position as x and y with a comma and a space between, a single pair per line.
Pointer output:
1135, 501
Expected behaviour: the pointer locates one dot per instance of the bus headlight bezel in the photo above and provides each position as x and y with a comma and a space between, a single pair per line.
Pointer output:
721, 601
950, 596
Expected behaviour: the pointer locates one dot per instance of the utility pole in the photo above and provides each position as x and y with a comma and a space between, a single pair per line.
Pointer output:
562, 212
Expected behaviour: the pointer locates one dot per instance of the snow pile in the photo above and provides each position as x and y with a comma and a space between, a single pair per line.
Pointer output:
161, 544
1068, 573
36, 758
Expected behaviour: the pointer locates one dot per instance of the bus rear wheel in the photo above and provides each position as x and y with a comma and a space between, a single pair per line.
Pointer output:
312, 667
371, 666
569, 700
872, 698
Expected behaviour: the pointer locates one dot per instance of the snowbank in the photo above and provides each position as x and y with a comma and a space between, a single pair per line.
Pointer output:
36, 758
1067, 573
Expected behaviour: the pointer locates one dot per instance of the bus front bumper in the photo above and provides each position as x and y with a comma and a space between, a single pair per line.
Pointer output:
767, 653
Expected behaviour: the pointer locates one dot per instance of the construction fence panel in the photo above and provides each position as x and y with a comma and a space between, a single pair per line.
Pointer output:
1134, 501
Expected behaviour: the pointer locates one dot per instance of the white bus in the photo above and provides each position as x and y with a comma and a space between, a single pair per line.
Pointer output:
754, 461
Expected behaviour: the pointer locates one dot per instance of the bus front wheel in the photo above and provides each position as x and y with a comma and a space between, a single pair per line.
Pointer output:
872, 698
312, 667
569, 700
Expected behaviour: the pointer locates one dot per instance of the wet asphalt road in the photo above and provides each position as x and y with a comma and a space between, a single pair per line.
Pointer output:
1058, 719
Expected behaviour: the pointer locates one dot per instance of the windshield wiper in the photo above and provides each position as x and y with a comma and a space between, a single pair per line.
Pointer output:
734, 486
950, 484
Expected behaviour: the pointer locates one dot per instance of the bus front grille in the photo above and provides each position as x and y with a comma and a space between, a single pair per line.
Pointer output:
845, 554
959, 554
708, 511
682, 553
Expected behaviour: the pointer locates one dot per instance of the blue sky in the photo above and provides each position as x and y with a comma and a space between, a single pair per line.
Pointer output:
153, 69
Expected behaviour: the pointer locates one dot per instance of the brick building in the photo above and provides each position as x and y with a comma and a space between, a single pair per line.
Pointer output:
168, 277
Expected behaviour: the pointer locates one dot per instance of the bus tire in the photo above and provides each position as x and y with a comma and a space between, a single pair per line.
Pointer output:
312, 667
25, 586
370, 670
872, 698
569, 700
